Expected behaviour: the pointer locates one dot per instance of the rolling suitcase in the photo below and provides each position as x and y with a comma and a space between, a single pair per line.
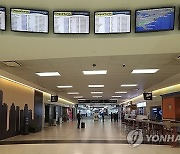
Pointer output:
82, 124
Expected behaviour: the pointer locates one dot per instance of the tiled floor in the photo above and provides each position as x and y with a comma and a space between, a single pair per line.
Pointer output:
94, 131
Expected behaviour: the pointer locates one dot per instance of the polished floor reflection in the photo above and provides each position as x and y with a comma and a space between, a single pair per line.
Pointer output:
96, 138
95, 130
86, 149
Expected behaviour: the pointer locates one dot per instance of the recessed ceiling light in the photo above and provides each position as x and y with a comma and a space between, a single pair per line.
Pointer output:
73, 93
128, 85
95, 72
64, 86
96, 86
116, 96
144, 71
96, 92
154, 96
121, 92
97, 96
78, 97
81, 99
113, 99
48, 74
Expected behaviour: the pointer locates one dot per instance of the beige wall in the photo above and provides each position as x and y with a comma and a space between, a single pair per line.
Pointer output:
17, 94
157, 101
22, 45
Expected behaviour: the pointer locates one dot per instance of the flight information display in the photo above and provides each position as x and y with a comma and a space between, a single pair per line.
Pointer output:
113, 22
29, 20
160, 19
71, 22
2, 18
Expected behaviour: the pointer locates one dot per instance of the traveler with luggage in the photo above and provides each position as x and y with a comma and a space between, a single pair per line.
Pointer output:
78, 119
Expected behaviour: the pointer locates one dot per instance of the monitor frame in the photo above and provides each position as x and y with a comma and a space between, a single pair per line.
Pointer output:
29, 31
72, 33
115, 32
5, 19
152, 9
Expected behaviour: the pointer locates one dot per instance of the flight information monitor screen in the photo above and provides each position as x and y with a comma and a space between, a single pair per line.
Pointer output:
160, 19
2, 18
113, 22
71, 22
29, 20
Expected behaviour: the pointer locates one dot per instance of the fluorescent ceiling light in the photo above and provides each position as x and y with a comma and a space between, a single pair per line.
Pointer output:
64, 86
154, 96
97, 96
48, 74
144, 71
96, 86
78, 97
113, 99
81, 99
117, 96
95, 72
73, 93
128, 85
96, 92
121, 92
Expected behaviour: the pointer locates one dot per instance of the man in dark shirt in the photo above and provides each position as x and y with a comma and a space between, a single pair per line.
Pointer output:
79, 119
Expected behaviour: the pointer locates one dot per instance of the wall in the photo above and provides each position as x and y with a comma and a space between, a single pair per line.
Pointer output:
157, 101
17, 94
96, 45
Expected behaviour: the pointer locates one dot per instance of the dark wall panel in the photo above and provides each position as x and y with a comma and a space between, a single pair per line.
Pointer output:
38, 105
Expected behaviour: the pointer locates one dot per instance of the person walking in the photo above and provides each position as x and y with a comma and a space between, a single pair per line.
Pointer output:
103, 116
111, 116
78, 119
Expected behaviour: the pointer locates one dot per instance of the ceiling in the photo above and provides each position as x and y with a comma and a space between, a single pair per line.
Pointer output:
71, 73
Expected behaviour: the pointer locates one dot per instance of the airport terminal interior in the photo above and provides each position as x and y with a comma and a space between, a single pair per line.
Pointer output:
89, 77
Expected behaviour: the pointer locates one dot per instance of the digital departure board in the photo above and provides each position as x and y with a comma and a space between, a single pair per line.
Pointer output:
113, 22
2, 18
25, 20
71, 22
160, 19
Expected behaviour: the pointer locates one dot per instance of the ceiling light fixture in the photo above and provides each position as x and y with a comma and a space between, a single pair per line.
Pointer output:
64, 87
96, 92
128, 85
47, 74
116, 96
73, 93
113, 99
97, 96
96, 86
121, 92
78, 97
144, 71
95, 72
81, 99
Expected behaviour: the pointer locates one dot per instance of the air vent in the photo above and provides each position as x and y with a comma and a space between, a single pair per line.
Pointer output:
11, 63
